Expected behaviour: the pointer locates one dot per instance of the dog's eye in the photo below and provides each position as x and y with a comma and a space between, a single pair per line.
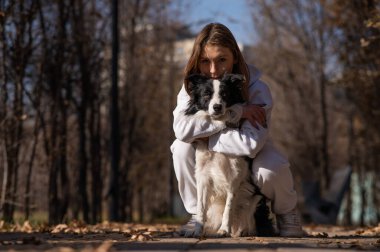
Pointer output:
206, 98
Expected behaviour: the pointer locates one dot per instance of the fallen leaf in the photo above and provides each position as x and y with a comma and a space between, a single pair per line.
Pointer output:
59, 228
26, 227
318, 234
141, 237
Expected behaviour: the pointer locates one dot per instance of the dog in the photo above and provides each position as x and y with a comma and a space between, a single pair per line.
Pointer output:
227, 199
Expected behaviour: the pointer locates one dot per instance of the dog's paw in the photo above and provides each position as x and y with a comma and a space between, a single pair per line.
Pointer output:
242, 233
222, 233
237, 233
234, 114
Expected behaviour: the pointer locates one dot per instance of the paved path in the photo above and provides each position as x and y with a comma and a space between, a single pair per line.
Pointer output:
319, 239
251, 244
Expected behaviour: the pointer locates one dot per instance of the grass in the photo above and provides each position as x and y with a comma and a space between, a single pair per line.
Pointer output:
35, 218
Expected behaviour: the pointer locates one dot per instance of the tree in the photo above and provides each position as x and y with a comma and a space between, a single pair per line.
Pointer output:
16, 50
148, 32
322, 52
301, 44
358, 50
54, 131
115, 128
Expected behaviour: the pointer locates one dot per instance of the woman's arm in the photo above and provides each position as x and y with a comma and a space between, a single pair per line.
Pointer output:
255, 114
247, 140
189, 128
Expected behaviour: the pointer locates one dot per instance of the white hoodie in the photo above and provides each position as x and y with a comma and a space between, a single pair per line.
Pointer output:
243, 141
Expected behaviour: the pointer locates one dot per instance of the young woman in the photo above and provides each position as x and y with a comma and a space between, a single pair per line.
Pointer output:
216, 52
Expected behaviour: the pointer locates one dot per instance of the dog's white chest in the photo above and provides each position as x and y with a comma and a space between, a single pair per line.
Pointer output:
221, 169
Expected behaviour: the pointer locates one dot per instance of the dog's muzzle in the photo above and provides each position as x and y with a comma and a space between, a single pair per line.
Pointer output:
217, 108
217, 111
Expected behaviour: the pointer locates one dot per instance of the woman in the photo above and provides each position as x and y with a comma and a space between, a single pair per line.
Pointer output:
216, 52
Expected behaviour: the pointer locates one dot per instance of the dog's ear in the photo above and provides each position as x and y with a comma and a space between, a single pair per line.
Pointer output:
194, 80
236, 79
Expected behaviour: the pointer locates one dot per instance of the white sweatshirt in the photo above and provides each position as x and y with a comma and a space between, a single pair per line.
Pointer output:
243, 141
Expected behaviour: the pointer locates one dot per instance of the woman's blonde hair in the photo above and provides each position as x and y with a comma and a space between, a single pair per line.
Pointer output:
217, 34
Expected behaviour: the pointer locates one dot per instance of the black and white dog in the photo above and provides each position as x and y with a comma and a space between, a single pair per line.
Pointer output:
227, 200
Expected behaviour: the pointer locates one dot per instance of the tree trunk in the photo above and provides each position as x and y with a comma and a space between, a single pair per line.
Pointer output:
80, 39
141, 204
63, 178
324, 135
30, 169
53, 187
113, 192
5, 179
58, 184
96, 162
82, 158
352, 164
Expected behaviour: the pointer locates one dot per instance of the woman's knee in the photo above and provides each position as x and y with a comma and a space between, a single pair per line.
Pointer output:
273, 174
271, 165
273, 178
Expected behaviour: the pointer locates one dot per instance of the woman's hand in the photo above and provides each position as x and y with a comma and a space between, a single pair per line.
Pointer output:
255, 114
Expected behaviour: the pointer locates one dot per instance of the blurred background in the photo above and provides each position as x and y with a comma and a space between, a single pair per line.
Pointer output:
84, 138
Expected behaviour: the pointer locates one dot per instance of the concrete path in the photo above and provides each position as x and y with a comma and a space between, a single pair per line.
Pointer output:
318, 239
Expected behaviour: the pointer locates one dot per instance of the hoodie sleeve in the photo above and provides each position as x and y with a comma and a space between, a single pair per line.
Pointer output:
189, 128
246, 140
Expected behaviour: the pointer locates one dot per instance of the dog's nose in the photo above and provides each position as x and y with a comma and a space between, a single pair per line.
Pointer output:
217, 107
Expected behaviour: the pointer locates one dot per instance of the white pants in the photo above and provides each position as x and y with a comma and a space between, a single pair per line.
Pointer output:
270, 172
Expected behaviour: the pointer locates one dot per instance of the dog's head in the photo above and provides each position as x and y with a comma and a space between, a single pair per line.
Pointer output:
214, 96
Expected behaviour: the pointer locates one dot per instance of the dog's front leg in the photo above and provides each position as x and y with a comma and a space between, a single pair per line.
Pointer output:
202, 206
225, 227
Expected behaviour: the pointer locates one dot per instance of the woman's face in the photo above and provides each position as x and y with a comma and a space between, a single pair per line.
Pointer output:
215, 61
